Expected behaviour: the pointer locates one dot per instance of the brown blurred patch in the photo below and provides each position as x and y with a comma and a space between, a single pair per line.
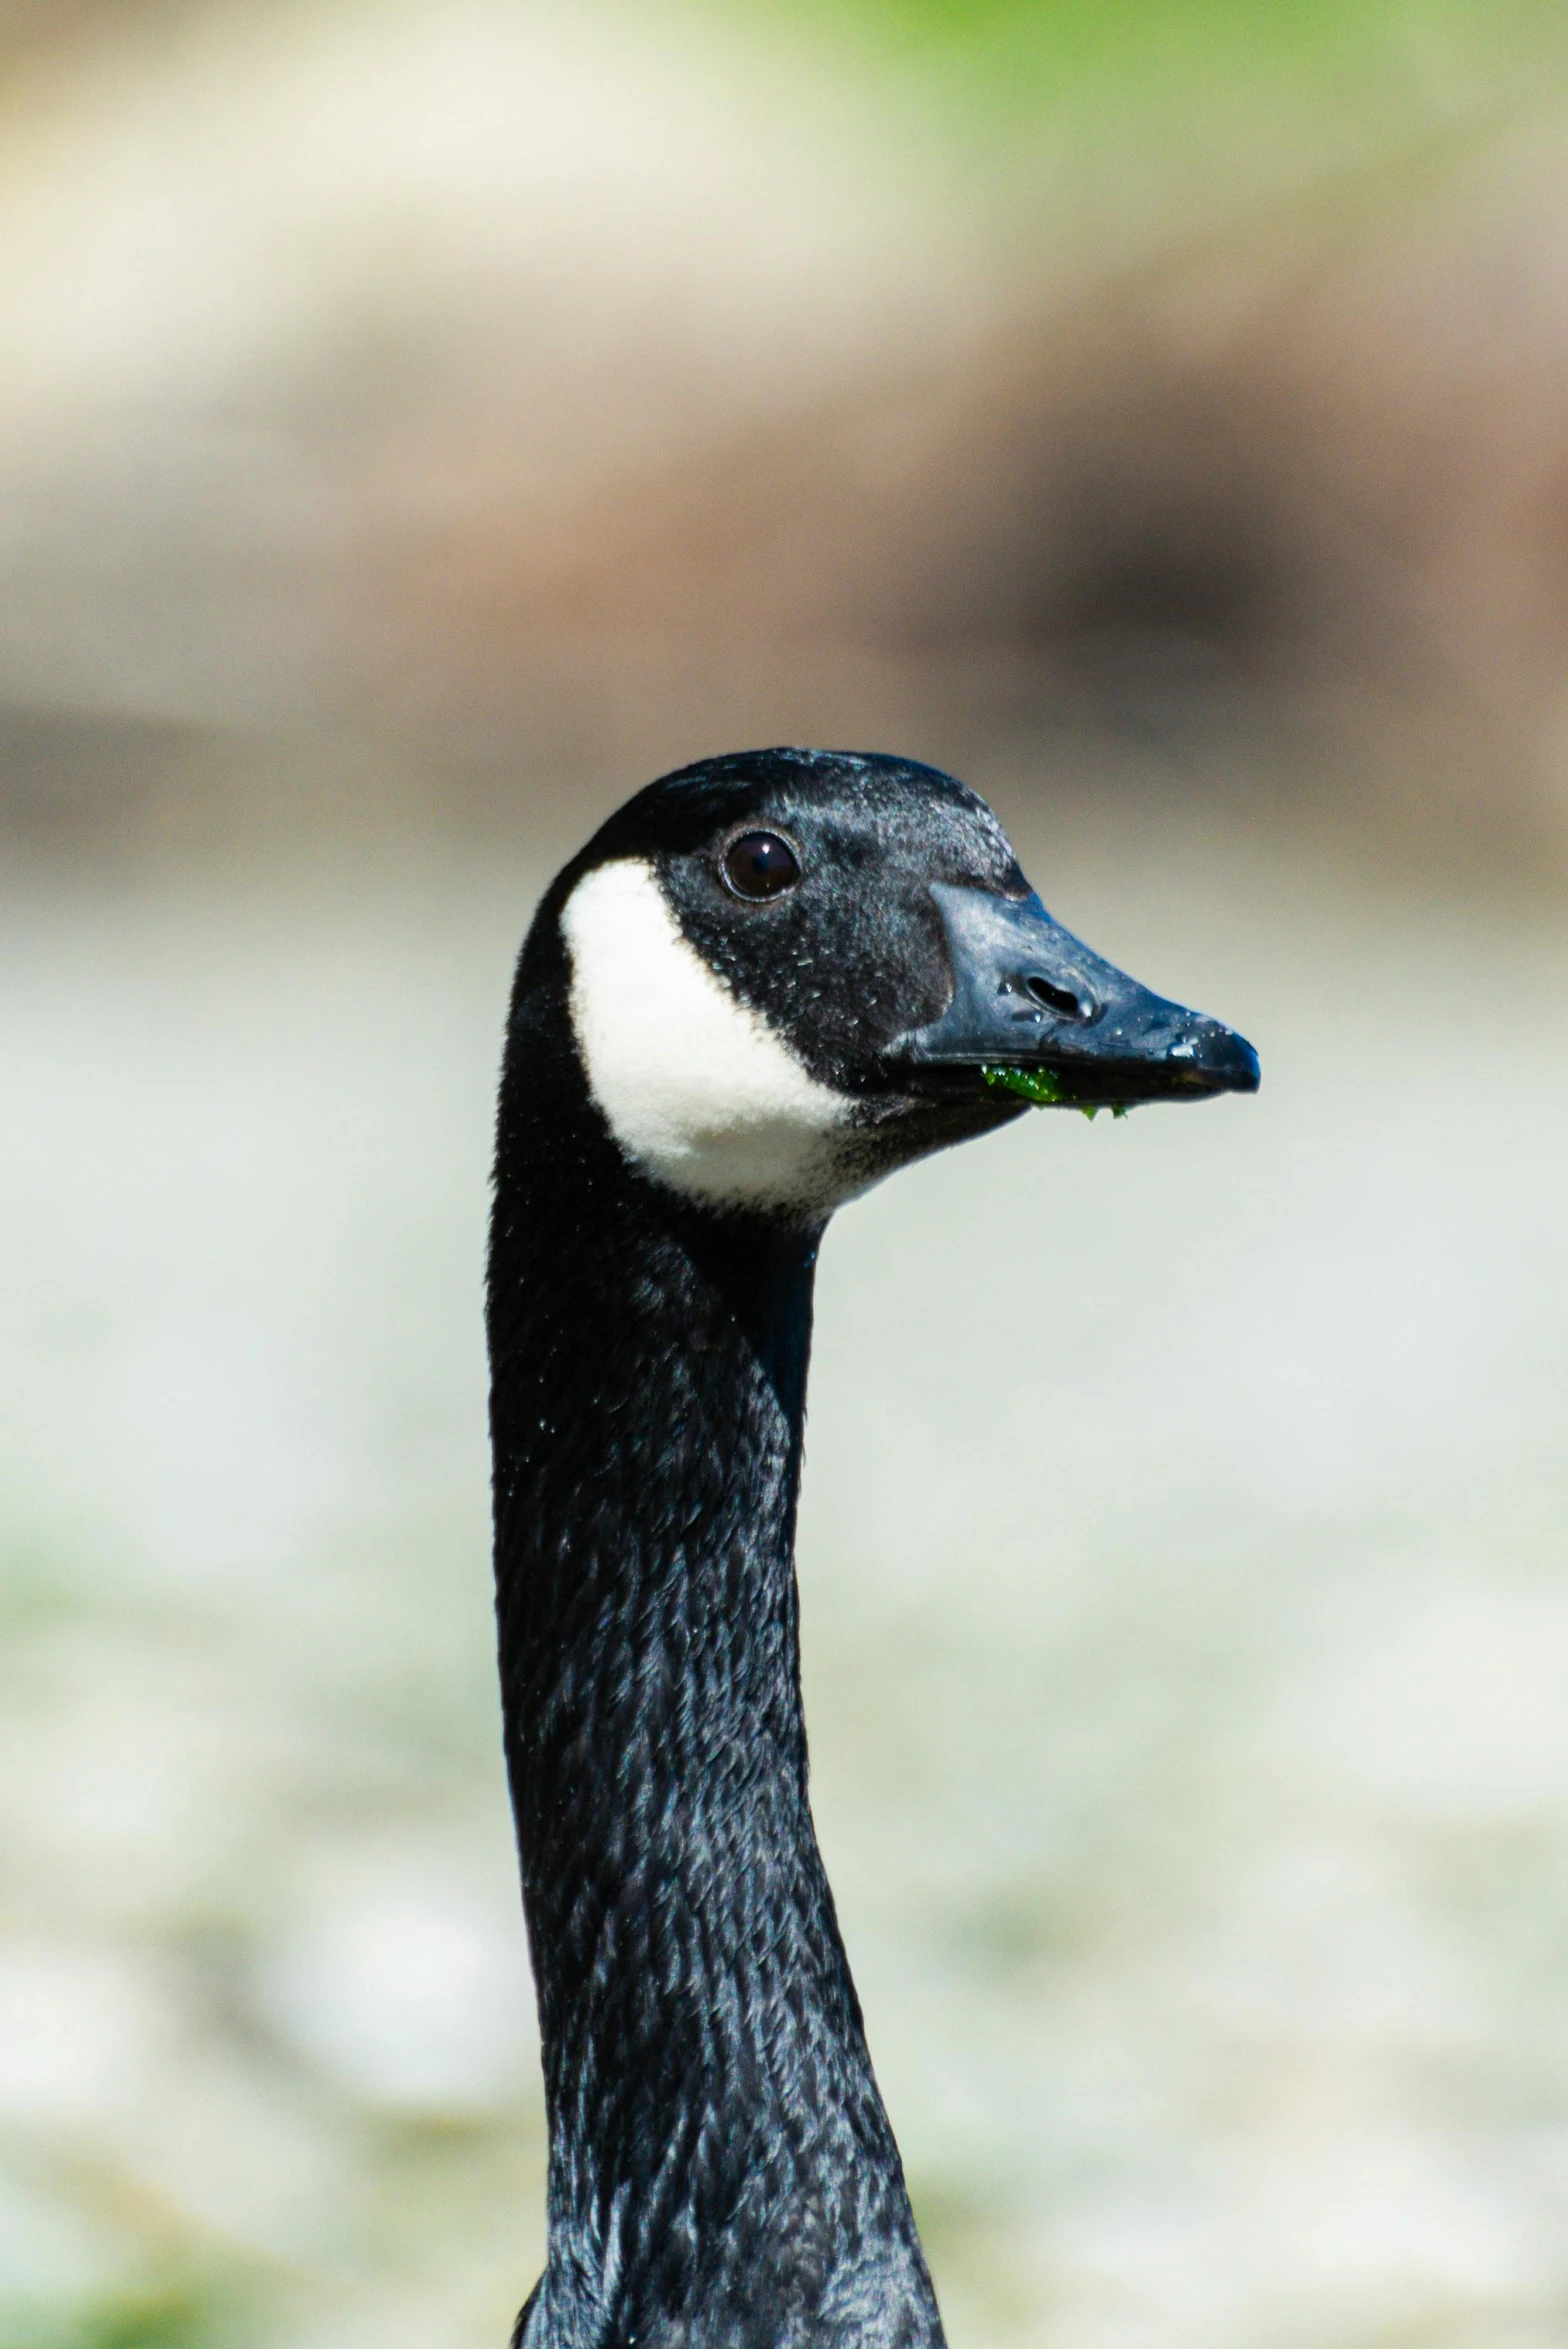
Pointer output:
1276, 521
74, 778
1285, 520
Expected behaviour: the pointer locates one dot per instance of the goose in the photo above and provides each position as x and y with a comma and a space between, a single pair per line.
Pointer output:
766, 982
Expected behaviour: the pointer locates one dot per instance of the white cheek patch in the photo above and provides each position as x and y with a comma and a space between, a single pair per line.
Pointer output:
697, 1089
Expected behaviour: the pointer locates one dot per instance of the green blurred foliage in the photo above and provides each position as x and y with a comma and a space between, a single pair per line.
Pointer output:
1103, 132
1357, 66
1076, 38
164, 2320
175, 2315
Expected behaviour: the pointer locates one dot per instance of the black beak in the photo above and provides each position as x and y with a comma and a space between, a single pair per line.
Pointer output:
1030, 1000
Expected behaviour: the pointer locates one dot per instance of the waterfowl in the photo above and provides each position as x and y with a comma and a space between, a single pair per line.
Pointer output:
768, 981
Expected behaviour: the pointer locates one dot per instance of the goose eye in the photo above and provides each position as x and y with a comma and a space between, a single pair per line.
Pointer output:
759, 865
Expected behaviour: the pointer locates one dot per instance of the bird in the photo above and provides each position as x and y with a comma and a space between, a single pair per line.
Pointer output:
768, 981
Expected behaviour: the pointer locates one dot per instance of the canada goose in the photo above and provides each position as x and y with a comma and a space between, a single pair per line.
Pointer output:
768, 981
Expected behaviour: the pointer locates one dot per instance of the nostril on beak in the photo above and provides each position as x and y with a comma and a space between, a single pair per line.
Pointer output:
1065, 1000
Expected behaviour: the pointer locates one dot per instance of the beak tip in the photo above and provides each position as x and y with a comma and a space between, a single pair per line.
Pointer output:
1234, 1063
1206, 1058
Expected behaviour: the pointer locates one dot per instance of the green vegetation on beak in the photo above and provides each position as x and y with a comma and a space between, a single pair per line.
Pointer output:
1044, 1090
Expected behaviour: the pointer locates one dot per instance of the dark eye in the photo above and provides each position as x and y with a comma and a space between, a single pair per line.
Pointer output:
760, 864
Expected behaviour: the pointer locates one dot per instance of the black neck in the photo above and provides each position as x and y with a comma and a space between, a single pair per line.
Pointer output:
721, 2168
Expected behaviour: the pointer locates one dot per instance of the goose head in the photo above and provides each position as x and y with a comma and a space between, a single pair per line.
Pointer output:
789, 972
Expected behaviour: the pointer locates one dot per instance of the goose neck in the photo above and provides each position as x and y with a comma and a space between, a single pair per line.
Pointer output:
709, 2094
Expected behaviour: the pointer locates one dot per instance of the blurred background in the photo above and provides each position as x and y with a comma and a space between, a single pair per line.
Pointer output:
419, 425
